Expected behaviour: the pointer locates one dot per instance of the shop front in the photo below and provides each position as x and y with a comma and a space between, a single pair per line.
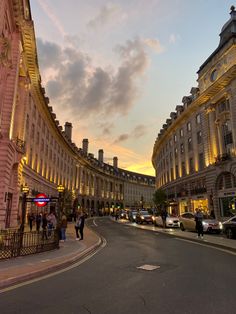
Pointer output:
183, 206
200, 201
227, 203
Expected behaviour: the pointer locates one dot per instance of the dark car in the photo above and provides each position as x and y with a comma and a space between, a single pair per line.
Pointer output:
132, 215
229, 227
122, 214
143, 216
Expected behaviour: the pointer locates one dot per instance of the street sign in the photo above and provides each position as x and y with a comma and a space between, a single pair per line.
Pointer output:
41, 200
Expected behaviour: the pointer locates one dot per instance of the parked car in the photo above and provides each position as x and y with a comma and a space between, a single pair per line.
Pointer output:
171, 221
132, 215
122, 214
229, 227
143, 216
187, 222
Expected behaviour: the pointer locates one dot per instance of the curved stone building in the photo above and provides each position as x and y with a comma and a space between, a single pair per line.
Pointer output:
34, 148
194, 153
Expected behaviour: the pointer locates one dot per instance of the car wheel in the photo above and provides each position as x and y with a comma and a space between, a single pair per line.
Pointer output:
182, 227
229, 233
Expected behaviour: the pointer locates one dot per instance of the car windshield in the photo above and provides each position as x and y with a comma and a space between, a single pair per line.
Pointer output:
144, 213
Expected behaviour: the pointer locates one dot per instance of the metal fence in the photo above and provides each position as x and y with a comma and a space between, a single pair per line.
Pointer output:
16, 243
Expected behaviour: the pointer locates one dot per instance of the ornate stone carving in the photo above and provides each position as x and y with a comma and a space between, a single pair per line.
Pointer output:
5, 52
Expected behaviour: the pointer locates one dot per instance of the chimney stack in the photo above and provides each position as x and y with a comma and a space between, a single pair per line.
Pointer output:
115, 162
100, 155
68, 129
85, 146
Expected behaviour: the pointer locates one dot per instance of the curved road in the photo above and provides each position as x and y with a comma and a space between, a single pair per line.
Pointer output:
190, 278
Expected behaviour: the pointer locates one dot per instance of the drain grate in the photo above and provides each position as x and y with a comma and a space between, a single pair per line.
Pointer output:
149, 267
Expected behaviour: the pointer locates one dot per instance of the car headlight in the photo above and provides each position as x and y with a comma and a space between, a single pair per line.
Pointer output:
204, 223
170, 221
153, 217
220, 225
142, 217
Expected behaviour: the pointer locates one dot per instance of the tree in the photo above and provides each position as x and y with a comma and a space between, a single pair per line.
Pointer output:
159, 199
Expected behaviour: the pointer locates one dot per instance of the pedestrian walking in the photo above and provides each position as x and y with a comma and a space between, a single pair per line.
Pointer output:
81, 225
63, 227
44, 226
38, 220
164, 214
199, 225
77, 225
31, 220
52, 222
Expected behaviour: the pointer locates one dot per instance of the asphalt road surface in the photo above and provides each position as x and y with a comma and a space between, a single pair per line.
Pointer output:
190, 278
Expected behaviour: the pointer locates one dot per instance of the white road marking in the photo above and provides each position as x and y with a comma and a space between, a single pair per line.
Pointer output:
149, 267
94, 223
55, 273
207, 245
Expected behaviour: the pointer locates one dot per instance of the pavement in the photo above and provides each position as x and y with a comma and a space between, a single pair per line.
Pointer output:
17, 270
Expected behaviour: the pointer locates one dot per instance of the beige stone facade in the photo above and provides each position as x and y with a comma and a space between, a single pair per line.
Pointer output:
195, 152
34, 148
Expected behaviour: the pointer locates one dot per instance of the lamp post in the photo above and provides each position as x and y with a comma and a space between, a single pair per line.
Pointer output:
60, 190
25, 191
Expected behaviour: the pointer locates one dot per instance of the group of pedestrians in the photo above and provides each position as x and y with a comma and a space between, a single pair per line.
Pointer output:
49, 222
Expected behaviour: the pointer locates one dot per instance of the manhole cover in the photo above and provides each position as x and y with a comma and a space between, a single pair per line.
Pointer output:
148, 267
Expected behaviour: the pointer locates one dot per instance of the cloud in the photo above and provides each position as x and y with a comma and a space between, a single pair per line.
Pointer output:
82, 89
154, 44
107, 13
173, 38
139, 131
121, 138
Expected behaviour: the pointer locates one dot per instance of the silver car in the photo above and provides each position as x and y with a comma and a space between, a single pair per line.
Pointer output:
171, 221
187, 222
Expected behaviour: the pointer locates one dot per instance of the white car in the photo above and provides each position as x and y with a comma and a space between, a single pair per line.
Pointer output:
187, 222
171, 221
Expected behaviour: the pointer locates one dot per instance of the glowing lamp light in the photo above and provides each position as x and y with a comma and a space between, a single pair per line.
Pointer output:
25, 189
60, 188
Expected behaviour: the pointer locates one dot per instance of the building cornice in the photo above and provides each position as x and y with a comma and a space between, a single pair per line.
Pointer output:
203, 98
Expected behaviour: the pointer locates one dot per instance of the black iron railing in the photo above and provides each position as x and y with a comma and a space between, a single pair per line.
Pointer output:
16, 243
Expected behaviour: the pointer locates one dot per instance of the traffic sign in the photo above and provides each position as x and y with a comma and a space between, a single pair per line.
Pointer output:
41, 200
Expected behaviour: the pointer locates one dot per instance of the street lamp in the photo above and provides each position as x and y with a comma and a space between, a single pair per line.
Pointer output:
60, 189
25, 191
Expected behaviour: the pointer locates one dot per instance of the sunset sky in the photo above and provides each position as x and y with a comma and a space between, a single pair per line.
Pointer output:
116, 69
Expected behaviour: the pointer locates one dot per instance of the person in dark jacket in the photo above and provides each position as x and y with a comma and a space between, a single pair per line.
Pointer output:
38, 220
164, 214
81, 225
31, 220
199, 225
